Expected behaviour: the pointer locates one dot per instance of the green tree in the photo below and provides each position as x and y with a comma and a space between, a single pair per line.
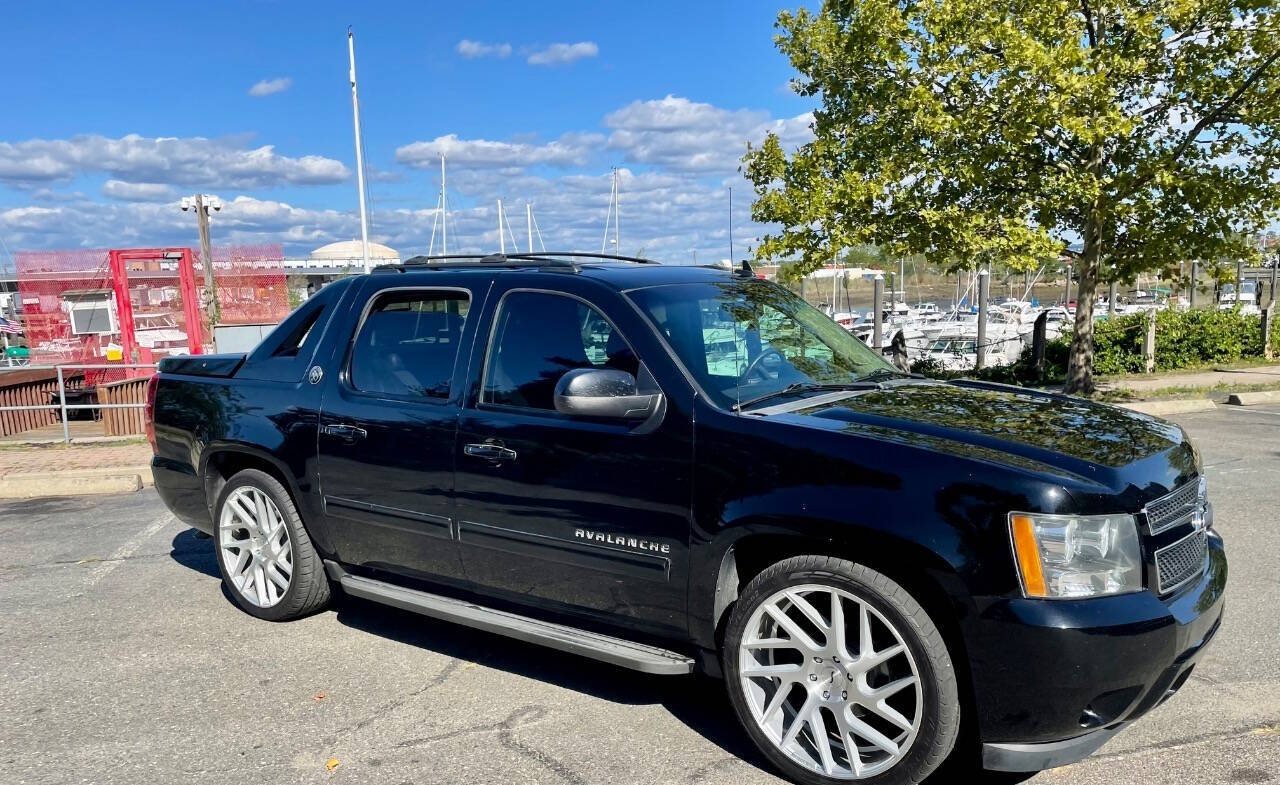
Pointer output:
976, 132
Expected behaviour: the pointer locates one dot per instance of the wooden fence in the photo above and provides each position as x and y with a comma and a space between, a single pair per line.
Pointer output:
36, 387
123, 422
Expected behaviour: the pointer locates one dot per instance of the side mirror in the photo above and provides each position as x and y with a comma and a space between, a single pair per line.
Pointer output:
603, 392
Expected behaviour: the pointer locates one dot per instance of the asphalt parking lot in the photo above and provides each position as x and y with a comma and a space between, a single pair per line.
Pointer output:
123, 661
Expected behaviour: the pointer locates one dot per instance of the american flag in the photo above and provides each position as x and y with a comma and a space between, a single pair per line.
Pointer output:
7, 326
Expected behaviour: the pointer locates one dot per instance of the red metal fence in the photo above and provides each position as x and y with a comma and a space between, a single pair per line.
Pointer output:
139, 305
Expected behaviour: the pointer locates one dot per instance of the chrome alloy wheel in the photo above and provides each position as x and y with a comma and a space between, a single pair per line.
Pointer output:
255, 545
830, 682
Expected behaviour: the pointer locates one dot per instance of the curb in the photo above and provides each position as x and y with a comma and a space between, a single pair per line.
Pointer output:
1176, 406
1254, 398
76, 482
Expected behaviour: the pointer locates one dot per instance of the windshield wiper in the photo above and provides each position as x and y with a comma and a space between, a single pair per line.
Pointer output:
887, 373
804, 387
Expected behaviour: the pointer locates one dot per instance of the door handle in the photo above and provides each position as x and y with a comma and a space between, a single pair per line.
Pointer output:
490, 451
345, 432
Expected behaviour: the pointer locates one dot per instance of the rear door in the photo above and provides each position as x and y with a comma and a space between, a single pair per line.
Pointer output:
388, 423
581, 514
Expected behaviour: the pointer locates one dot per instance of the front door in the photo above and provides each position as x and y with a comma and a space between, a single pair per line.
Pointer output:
578, 514
387, 427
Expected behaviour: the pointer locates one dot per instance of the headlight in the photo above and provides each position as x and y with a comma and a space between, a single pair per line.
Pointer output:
1069, 556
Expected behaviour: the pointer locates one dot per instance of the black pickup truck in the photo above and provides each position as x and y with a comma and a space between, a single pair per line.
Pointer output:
684, 468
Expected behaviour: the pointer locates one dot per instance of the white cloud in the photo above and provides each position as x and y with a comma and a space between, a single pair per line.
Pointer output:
686, 135
271, 86
562, 54
189, 161
473, 49
136, 192
568, 150
677, 158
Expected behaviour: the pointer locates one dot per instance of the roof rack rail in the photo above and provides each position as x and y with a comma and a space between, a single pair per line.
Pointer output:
559, 259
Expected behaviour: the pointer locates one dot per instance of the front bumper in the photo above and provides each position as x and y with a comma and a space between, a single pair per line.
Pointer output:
1054, 680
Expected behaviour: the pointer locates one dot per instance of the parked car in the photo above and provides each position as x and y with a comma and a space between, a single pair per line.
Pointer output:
679, 468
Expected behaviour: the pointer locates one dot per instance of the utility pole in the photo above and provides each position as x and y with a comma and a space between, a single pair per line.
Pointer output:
355, 111
202, 203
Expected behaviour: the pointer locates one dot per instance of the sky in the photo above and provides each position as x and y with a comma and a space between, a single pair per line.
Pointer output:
114, 111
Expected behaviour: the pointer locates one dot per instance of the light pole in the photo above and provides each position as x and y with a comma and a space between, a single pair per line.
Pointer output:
202, 203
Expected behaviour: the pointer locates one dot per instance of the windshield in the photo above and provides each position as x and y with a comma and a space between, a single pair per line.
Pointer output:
746, 338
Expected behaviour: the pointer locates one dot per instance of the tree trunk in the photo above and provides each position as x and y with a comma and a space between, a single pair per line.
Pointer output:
1080, 363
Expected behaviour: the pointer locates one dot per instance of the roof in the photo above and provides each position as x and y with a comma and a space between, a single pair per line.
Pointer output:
354, 249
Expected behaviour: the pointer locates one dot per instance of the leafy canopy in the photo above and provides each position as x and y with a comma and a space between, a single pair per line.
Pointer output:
969, 130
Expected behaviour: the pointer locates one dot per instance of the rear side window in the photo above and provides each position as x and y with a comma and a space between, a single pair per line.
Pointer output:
408, 344
539, 338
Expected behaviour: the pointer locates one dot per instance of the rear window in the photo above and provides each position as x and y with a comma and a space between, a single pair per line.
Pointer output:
408, 344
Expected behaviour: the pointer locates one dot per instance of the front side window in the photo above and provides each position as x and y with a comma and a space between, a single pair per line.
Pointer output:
743, 339
408, 344
540, 337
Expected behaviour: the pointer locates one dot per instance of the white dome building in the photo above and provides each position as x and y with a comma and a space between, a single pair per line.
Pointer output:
350, 252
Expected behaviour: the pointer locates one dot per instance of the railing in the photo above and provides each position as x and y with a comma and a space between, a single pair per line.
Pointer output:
120, 402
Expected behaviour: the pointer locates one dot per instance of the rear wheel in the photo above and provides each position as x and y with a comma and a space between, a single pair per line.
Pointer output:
838, 674
266, 558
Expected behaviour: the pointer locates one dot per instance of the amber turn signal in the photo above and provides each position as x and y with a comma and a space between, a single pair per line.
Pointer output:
1027, 551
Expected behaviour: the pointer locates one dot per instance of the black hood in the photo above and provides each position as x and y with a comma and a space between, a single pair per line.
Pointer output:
1012, 426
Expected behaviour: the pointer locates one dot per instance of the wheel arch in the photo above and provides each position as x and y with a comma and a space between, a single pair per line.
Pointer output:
222, 462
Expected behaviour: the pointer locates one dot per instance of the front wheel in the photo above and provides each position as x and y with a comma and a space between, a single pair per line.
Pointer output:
265, 556
838, 674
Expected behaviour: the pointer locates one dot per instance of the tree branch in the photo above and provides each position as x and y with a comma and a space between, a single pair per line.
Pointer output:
1215, 116
1088, 23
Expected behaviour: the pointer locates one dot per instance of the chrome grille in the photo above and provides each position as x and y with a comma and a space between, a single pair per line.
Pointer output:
1174, 509
1180, 562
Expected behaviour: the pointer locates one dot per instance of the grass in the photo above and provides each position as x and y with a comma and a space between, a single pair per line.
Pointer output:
1175, 392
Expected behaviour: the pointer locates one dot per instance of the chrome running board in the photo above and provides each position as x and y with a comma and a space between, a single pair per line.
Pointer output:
605, 648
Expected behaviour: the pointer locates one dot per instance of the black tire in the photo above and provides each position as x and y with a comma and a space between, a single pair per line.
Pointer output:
309, 589
940, 719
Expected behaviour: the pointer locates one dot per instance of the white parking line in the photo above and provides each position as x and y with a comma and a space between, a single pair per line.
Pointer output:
125, 551
1250, 411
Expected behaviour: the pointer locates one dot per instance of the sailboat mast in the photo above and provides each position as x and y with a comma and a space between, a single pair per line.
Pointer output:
502, 238
355, 111
617, 207
528, 220
444, 211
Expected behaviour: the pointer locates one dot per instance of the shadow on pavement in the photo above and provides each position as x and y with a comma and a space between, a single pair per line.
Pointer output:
697, 701
194, 552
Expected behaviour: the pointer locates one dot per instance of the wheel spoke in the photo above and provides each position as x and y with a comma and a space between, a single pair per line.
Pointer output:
840, 640
891, 714
850, 744
784, 689
874, 658
871, 734
810, 612
821, 740
864, 631
798, 721
892, 688
260, 583
769, 643
798, 635
786, 672
278, 578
